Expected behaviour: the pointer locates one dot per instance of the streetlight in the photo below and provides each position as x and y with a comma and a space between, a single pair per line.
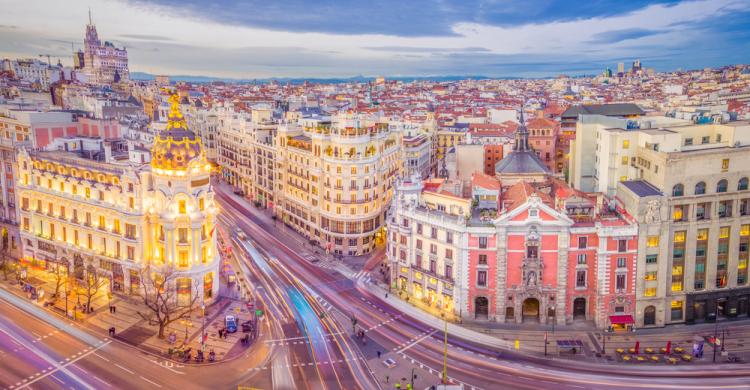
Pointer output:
203, 328
187, 323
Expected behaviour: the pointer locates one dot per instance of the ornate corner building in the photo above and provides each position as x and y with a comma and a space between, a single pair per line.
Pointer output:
121, 216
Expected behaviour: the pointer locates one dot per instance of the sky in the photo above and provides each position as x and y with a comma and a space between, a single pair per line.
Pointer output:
327, 38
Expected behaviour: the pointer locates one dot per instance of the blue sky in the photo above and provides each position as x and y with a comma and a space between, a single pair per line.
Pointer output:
326, 38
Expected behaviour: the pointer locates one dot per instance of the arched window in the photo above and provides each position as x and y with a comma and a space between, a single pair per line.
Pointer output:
700, 188
678, 190
649, 316
722, 185
742, 184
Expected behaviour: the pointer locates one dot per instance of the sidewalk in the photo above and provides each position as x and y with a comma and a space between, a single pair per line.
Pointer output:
131, 328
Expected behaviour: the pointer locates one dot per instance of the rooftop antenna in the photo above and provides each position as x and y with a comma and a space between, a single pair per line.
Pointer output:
90, 22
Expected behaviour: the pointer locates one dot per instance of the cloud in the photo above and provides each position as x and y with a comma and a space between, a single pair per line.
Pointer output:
616, 36
324, 38
412, 49
146, 37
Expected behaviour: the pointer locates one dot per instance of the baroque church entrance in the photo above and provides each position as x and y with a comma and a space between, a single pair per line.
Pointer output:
530, 310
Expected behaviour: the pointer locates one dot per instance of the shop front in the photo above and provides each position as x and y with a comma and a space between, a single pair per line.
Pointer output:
717, 305
621, 323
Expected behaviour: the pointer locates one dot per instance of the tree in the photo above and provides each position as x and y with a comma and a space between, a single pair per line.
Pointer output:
60, 273
90, 285
160, 297
6, 261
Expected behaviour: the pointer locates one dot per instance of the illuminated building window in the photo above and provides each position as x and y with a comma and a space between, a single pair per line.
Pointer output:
182, 207
201, 204
102, 222
702, 235
650, 292
679, 236
183, 258
131, 202
745, 230
90, 241
131, 253
650, 275
625, 160
625, 144
74, 189
182, 234
62, 186
116, 228
724, 232
653, 241
88, 193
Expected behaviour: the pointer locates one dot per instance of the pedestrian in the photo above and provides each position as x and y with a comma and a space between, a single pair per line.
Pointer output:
114, 309
386, 295
221, 333
387, 378
378, 354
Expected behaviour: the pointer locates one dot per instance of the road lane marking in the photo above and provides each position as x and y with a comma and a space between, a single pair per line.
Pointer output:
124, 369
101, 380
101, 357
151, 382
68, 363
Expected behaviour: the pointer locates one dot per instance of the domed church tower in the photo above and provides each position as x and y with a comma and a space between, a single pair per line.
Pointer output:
183, 214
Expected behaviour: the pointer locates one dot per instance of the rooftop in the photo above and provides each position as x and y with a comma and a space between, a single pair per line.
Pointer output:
642, 188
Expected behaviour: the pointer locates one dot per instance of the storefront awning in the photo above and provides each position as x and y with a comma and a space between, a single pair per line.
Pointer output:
621, 320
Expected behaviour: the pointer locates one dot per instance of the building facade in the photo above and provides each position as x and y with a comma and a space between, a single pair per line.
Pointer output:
691, 200
121, 217
104, 63
335, 180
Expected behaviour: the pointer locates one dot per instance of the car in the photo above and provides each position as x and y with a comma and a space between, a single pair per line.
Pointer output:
230, 323
389, 363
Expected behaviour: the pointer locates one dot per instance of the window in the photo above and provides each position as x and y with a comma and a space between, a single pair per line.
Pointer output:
129, 230
620, 282
449, 271
625, 144
419, 242
116, 226
724, 232
721, 186
183, 258
433, 249
433, 232
483, 242
449, 254
419, 228
678, 190
650, 292
449, 237
433, 266
622, 262
582, 258
700, 188
725, 164
651, 275
182, 207
582, 242
101, 222
88, 193
651, 259
653, 241
625, 160
679, 236
581, 278
201, 204
482, 278
742, 184
622, 245
482, 260
676, 310
182, 234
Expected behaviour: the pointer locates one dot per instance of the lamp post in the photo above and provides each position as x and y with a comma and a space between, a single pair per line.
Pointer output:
203, 327
186, 322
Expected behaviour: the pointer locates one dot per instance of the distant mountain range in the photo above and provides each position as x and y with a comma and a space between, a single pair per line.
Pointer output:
355, 79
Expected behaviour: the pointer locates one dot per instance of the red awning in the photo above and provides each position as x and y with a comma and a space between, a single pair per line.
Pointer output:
624, 320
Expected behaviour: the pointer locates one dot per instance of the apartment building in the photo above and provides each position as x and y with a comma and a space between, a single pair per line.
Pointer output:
691, 201
335, 180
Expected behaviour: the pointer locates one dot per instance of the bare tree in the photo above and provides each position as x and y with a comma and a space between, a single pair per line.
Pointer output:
90, 285
61, 278
6, 261
160, 297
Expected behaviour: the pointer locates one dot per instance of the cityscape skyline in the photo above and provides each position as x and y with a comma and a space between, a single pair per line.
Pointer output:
164, 37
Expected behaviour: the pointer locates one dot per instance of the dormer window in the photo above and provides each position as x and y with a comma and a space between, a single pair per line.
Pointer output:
533, 213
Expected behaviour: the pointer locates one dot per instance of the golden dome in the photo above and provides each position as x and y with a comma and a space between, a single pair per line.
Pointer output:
176, 147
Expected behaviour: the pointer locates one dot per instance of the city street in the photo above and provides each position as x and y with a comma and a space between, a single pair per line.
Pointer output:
469, 363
